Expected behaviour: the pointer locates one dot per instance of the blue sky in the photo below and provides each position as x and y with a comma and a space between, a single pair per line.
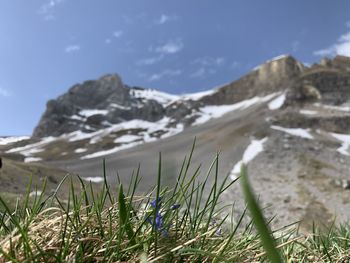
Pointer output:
177, 46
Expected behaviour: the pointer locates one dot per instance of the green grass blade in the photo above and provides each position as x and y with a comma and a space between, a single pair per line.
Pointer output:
267, 239
106, 183
124, 216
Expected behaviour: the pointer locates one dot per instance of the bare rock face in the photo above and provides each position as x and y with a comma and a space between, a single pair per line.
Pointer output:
97, 93
310, 92
327, 82
273, 76
93, 105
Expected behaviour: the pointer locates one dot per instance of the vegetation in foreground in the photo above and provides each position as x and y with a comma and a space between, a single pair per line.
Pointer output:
182, 224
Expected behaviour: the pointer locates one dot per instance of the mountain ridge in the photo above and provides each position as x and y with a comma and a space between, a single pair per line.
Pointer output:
103, 116
109, 96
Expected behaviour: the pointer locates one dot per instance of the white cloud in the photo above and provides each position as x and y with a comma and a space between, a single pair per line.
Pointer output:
209, 61
164, 19
72, 48
165, 73
219, 61
295, 45
171, 47
198, 73
207, 66
341, 47
118, 33
4, 92
348, 24
324, 52
345, 38
234, 65
48, 7
149, 61
155, 77
133, 19
203, 72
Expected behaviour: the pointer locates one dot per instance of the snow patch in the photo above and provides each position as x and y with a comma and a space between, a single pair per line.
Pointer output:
76, 117
198, 95
212, 112
91, 112
80, 150
257, 68
32, 159
96, 179
111, 151
8, 140
304, 133
236, 170
308, 112
277, 58
278, 102
269, 61
78, 136
30, 149
151, 94
253, 149
332, 107
127, 138
129, 142
114, 105
345, 140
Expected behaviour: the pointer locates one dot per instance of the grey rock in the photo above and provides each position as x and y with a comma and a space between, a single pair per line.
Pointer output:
96, 120
107, 93
346, 184
343, 183
271, 77
310, 92
90, 95
183, 109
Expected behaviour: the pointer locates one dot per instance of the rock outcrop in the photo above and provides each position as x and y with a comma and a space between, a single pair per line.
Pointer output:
273, 76
94, 105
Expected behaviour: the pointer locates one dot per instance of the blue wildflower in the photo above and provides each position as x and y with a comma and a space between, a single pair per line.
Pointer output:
159, 221
174, 206
154, 202
218, 232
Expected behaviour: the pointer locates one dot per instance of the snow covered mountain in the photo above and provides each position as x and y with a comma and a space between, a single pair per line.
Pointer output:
104, 116
290, 124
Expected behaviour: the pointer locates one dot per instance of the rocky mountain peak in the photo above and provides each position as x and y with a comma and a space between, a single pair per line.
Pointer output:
274, 75
281, 67
62, 114
94, 92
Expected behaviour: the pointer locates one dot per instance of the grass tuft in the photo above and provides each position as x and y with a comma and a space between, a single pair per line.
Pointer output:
186, 223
